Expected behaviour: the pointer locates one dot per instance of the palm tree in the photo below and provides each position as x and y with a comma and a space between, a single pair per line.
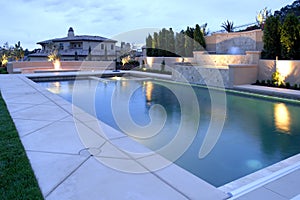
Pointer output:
228, 26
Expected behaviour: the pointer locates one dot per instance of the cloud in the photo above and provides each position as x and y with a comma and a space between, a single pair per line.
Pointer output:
35, 20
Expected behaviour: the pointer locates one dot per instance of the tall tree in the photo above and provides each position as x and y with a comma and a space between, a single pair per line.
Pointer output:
170, 43
189, 41
179, 44
199, 43
290, 37
262, 17
271, 38
228, 26
155, 44
149, 45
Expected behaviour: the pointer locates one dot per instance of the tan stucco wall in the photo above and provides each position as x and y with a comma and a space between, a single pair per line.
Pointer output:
30, 66
242, 74
290, 69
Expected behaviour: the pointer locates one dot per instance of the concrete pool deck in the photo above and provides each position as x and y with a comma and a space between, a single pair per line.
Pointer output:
66, 169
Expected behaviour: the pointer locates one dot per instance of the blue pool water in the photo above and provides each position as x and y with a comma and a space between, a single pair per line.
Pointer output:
257, 132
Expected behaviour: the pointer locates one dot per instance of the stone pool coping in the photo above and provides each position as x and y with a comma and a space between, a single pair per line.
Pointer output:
272, 91
64, 167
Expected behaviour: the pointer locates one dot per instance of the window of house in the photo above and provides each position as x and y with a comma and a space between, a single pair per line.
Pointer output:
112, 47
61, 46
76, 45
102, 46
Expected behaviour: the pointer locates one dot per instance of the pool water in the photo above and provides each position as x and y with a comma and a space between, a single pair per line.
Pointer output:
257, 132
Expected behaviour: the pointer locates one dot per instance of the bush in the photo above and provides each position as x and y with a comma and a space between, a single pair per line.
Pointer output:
288, 85
295, 86
277, 78
130, 65
3, 70
263, 82
257, 82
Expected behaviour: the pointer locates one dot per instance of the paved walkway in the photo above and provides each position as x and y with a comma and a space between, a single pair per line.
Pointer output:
72, 159
69, 165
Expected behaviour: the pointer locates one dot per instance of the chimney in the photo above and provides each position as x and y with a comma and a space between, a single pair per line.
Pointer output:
71, 32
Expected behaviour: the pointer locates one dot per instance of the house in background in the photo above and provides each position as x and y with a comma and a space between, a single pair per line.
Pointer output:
77, 47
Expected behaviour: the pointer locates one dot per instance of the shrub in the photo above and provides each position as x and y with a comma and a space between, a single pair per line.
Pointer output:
295, 86
130, 65
269, 82
257, 82
277, 78
263, 82
3, 70
288, 85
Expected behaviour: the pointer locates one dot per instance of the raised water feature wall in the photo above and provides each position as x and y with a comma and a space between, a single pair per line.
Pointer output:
219, 70
222, 43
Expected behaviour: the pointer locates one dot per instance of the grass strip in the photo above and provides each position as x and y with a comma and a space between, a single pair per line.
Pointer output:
17, 180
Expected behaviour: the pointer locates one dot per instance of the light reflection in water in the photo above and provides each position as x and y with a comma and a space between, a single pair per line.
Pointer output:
56, 88
282, 118
149, 89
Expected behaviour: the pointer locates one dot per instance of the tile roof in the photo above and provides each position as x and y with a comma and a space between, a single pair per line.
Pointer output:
79, 38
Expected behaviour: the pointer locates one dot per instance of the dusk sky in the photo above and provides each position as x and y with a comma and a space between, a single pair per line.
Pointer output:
31, 21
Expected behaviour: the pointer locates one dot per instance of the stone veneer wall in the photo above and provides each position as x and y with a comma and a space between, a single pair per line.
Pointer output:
221, 43
204, 59
227, 77
290, 69
219, 70
216, 77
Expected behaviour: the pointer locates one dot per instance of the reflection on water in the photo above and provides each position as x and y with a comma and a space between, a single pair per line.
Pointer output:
282, 118
56, 88
149, 89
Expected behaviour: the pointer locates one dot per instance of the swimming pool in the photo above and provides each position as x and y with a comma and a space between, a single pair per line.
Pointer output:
257, 132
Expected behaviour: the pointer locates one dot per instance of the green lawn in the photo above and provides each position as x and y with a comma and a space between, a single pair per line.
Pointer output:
17, 180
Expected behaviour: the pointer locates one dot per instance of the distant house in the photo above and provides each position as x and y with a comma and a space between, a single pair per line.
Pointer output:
77, 47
